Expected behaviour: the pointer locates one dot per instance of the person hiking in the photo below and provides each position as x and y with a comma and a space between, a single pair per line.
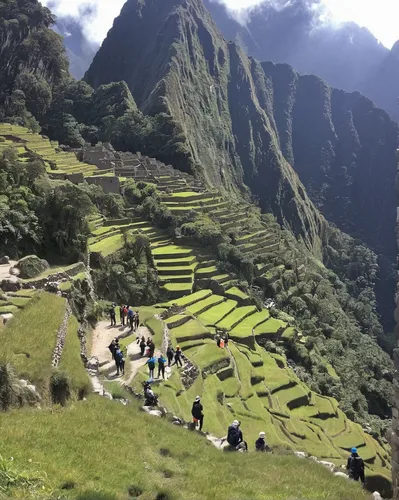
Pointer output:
142, 346
178, 354
161, 366
150, 399
355, 466
170, 354
260, 443
112, 315
137, 320
121, 315
112, 348
130, 317
235, 437
226, 340
119, 362
151, 366
151, 349
197, 412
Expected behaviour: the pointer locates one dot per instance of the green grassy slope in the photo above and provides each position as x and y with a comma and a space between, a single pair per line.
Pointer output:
101, 446
29, 339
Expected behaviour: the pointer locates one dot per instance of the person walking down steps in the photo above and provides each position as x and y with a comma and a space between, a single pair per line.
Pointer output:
142, 346
355, 466
197, 412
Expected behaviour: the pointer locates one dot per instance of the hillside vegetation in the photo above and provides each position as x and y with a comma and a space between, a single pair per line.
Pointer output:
227, 242
152, 457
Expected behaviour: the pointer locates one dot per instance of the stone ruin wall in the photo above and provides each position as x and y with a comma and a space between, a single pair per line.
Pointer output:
395, 409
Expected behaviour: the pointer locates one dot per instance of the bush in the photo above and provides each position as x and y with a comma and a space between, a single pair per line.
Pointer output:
31, 266
60, 388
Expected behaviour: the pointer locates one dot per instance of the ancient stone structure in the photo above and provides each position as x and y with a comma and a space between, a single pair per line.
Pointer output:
395, 410
110, 184
137, 166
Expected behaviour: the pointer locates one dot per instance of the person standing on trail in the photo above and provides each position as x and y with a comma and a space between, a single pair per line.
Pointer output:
355, 466
197, 412
137, 320
119, 362
142, 346
151, 349
122, 315
161, 366
112, 348
178, 354
112, 315
260, 443
169, 354
130, 317
151, 366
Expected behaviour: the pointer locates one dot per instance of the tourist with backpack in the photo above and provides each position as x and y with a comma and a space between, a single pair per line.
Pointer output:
170, 354
355, 466
130, 317
161, 366
112, 347
197, 412
235, 437
119, 362
151, 366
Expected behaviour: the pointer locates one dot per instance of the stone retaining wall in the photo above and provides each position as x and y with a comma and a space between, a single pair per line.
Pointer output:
61, 336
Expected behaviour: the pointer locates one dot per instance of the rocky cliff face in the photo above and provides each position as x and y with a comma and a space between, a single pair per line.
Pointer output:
174, 60
395, 409
250, 125
347, 57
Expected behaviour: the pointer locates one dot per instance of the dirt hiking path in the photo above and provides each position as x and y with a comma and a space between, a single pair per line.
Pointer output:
102, 337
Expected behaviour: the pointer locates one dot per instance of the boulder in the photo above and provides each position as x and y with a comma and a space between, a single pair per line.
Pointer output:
93, 363
301, 454
107, 395
341, 474
31, 266
4, 260
376, 496
329, 465
10, 285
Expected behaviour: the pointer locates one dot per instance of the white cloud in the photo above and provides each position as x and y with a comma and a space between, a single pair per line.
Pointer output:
381, 17
96, 16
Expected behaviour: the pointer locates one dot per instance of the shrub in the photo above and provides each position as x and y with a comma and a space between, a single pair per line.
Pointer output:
60, 387
31, 266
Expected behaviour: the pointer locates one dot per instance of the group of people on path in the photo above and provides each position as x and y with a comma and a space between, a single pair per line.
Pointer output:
128, 317
222, 341
160, 360
118, 356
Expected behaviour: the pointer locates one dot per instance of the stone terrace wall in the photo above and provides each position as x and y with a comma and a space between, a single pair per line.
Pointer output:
395, 410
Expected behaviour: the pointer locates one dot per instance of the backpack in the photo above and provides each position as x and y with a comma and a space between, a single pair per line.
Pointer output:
233, 436
119, 355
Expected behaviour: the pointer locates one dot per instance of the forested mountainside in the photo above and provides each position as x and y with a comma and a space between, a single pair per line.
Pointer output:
342, 147
193, 237
347, 56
